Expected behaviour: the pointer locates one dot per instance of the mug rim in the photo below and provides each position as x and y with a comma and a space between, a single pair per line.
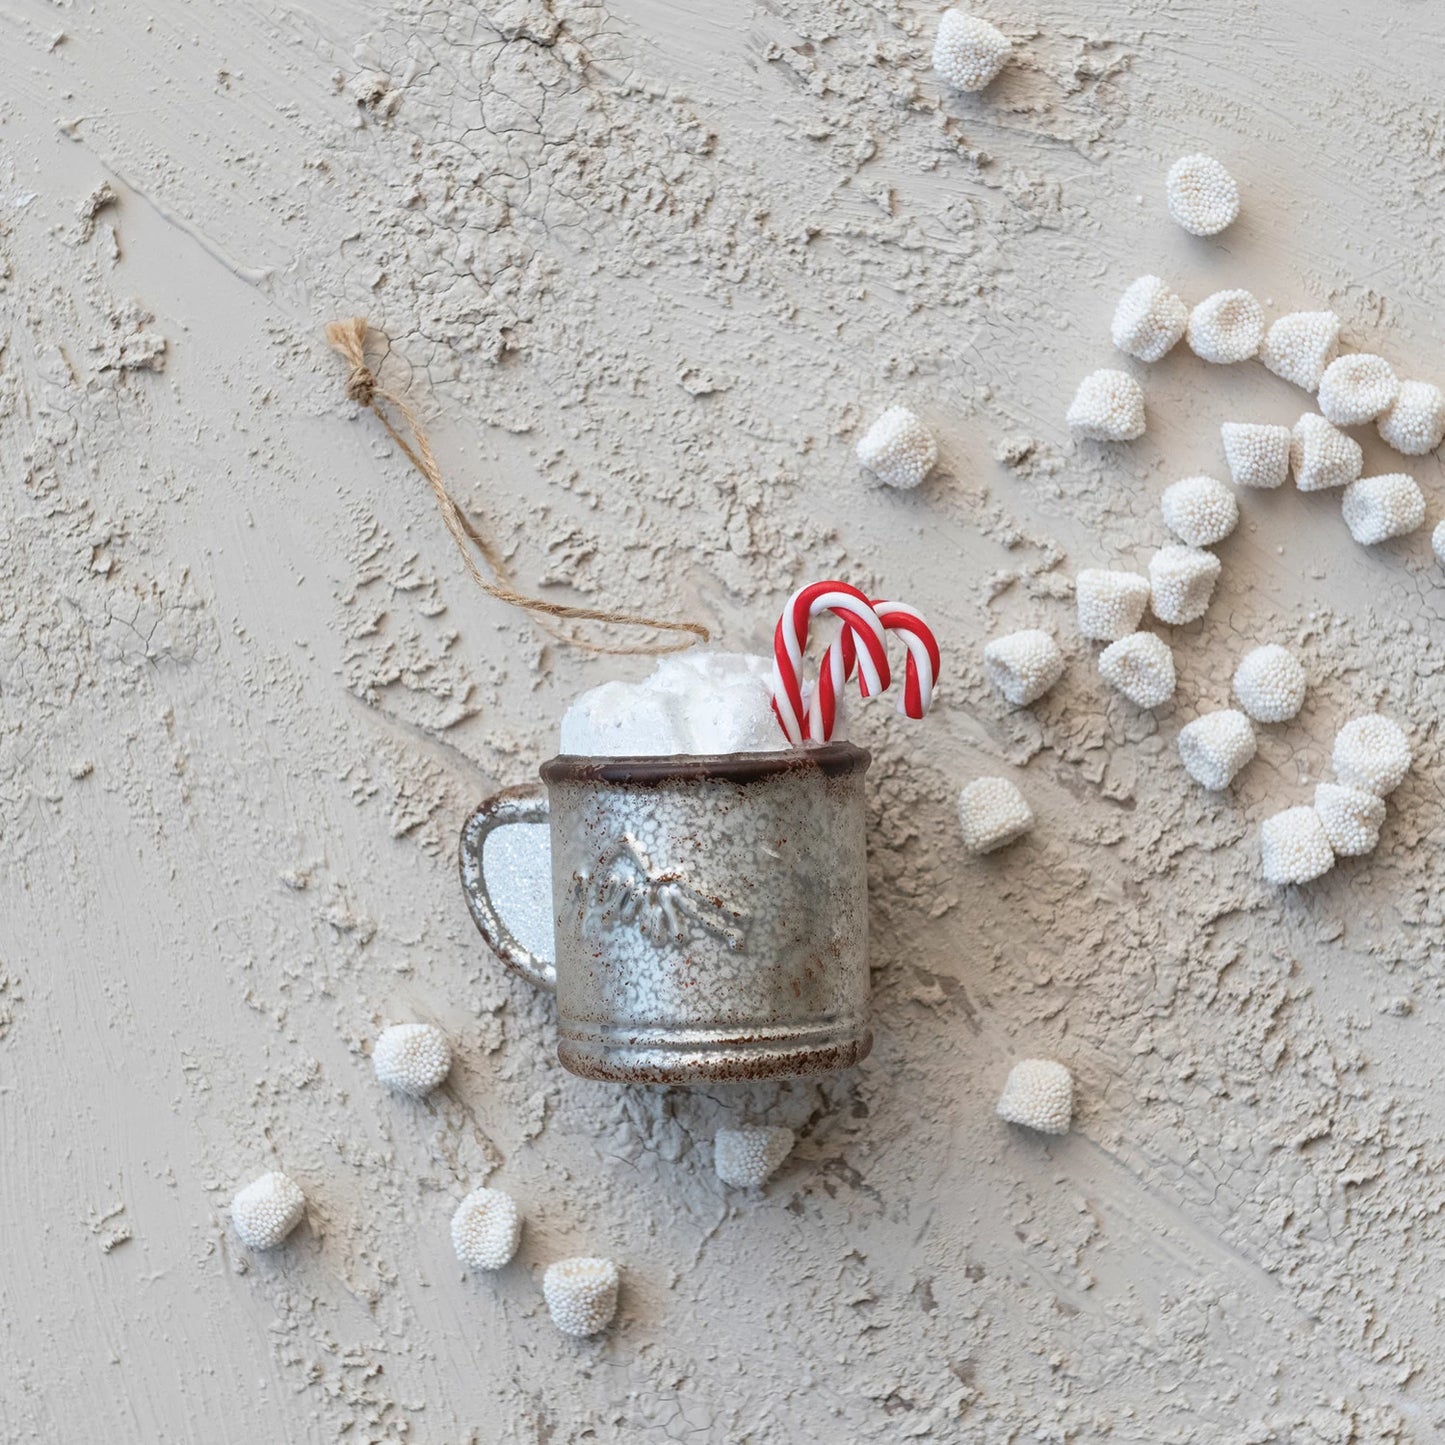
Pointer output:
834, 759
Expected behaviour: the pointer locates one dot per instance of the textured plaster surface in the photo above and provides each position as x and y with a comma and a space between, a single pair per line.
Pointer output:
650, 267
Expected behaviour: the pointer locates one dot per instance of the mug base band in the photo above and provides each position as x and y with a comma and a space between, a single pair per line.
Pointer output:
659, 1056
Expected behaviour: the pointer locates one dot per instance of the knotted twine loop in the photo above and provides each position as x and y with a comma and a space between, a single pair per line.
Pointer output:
348, 338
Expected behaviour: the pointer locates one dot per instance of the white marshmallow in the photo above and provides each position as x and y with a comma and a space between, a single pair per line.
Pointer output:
1226, 327
411, 1058
1377, 508
1372, 753
1415, 424
1181, 583
992, 812
1141, 667
968, 52
1110, 604
486, 1229
1200, 510
1294, 847
1202, 195
1149, 319
697, 702
898, 449
1437, 542
1108, 406
748, 1158
1351, 818
1038, 1094
1258, 455
267, 1210
1270, 683
1300, 346
1323, 456
1213, 748
581, 1294
1023, 666
1357, 388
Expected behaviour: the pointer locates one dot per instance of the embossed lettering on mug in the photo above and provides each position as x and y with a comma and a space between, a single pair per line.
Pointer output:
624, 889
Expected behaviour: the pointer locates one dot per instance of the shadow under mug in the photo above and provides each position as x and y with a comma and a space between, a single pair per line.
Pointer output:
711, 911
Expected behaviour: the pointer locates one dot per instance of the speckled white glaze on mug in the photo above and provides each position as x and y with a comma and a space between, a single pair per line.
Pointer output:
711, 912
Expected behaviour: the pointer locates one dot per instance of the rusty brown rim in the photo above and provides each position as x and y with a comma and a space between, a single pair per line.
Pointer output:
830, 759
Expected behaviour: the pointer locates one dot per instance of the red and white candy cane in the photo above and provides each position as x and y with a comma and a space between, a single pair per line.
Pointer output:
861, 625
838, 663
920, 674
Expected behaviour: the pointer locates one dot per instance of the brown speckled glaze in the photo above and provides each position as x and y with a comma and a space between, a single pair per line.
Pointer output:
711, 912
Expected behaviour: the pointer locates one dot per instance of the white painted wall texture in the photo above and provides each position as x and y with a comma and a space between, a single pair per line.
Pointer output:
649, 267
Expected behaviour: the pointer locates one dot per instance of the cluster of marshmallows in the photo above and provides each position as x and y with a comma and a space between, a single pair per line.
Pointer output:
413, 1060
1303, 347
486, 1227
1023, 666
1178, 590
1224, 328
968, 53
1371, 758
1371, 754
1269, 685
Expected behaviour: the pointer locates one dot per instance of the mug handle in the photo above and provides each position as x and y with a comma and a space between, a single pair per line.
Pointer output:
524, 804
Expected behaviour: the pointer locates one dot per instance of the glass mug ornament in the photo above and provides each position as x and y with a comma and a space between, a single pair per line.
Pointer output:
711, 912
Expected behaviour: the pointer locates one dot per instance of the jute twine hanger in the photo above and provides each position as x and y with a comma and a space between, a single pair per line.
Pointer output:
348, 337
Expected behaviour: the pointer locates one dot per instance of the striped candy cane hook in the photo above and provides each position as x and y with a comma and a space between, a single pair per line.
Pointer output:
920, 673
790, 639
924, 658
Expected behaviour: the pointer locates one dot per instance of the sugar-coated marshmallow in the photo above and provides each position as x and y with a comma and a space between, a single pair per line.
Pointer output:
1110, 604
1300, 346
1377, 508
1373, 753
1270, 683
1351, 817
992, 812
1202, 195
1023, 666
697, 702
898, 449
411, 1058
968, 52
748, 1158
1200, 510
486, 1228
1039, 1095
581, 1294
1294, 847
1226, 327
1213, 748
1323, 456
1149, 319
1415, 424
1108, 406
267, 1210
1258, 455
1141, 667
1181, 583
1357, 388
